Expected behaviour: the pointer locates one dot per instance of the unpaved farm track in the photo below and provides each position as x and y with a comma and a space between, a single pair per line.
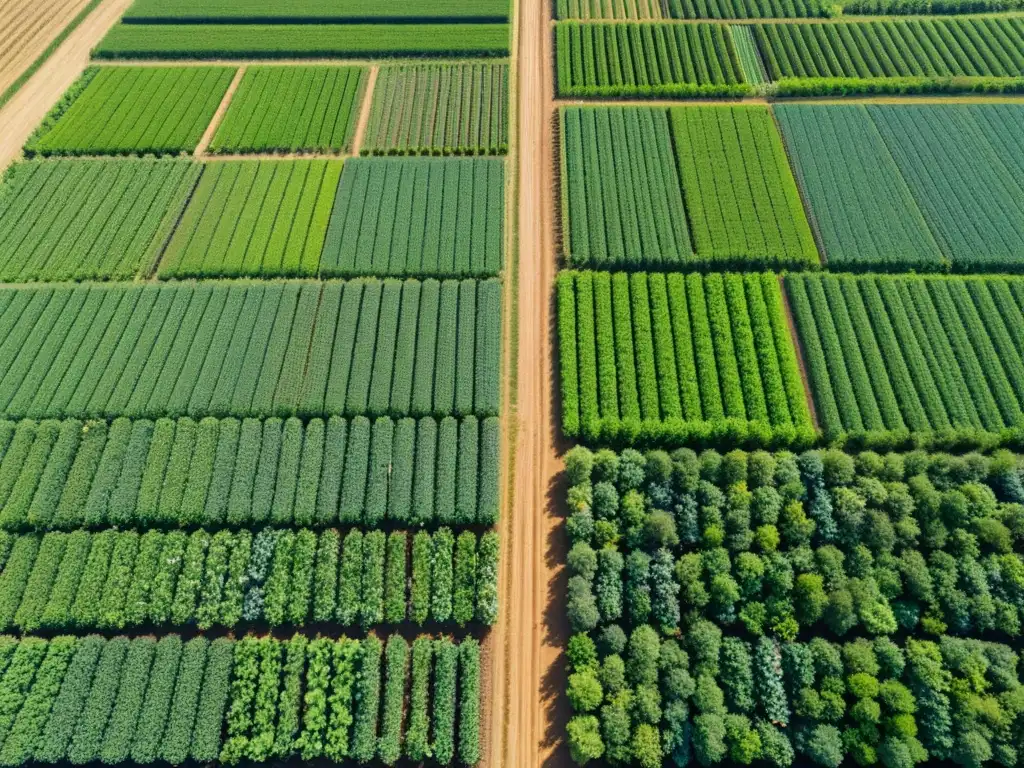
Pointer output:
30, 104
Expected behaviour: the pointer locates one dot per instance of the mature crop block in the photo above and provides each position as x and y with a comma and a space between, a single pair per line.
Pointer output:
135, 110
282, 41
689, 9
242, 349
647, 60
889, 357
254, 218
89, 219
314, 11
291, 109
418, 217
678, 358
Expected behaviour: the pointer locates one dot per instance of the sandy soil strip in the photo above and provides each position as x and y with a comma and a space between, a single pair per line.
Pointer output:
31, 103
364, 111
218, 116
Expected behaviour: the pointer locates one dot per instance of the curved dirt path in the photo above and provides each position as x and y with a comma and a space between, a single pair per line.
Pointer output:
34, 99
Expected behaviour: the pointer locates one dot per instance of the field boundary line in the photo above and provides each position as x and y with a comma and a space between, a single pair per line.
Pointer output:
312, 62
364, 111
218, 116
795, 337
791, 20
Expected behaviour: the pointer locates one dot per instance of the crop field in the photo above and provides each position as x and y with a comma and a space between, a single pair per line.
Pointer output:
929, 48
313, 11
89, 219
83, 700
678, 358
893, 356
112, 580
444, 109
912, 187
28, 28
254, 218
813, 598
688, 9
429, 217
291, 109
647, 60
286, 41
134, 110
64, 475
361, 347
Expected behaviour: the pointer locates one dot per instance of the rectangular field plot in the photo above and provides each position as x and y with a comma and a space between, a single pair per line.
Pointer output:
251, 349
291, 109
923, 187
63, 475
647, 60
286, 41
257, 218
891, 356
118, 573
135, 110
89, 219
314, 11
674, 358
926, 48
429, 216
441, 109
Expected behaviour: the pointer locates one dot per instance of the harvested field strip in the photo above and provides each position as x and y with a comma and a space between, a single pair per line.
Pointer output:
888, 356
444, 109
251, 349
290, 41
169, 473
254, 218
421, 217
135, 110
291, 109
66, 220
28, 28
674, 358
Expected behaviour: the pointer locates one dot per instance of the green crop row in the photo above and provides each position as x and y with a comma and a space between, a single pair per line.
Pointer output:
306, 40
892, 359
690, 9
89, 219
426, 109
262, 218
359, 347
136, 110
675, 358
290, 109
117, 579
61, 475
648, 60
314, 11
425, 216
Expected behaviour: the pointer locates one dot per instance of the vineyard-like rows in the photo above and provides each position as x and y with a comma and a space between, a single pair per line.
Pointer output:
622, 203
62, 475
287, 41
313, 11
260, 218
134, 110
362, 347
85, 700
444, 109
930, 48
893, 356
427, 216
678, 358
793, 610
89, 219
291, 109
117, 579
649, 60
881, 200
689, 9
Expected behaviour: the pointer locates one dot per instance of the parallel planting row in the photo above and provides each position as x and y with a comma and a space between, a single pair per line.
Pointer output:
243, 349
113, 579
62, 475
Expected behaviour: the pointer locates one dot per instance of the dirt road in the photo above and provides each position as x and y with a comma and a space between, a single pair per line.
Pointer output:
534, 628
31, 103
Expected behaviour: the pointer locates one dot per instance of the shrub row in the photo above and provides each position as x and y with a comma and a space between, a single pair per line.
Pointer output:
113, 580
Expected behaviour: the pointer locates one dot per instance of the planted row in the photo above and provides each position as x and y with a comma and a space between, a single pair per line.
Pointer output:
251, 349
114, 579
